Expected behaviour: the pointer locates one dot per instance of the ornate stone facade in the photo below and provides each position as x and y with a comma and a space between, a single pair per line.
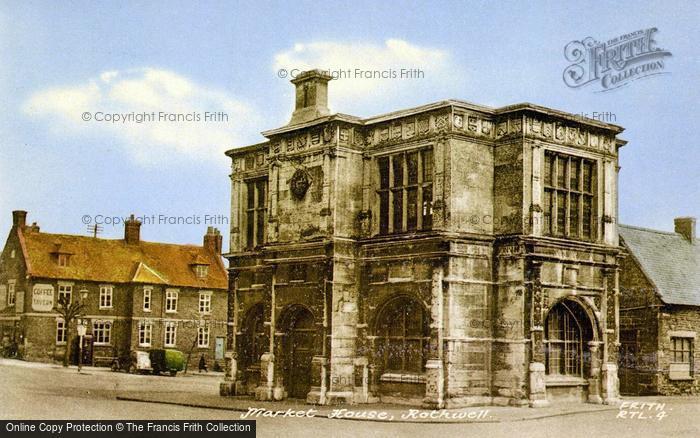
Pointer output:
419, 265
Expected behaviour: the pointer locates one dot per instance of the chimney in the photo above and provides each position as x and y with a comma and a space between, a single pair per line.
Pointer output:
685, 226
132, 230
213, 241
19, 218
33, 228
311, 96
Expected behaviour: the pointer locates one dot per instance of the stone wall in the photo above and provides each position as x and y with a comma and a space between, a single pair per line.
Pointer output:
675, 320
186, 318
639, 323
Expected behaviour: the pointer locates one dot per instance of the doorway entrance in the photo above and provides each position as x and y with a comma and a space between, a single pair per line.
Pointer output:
298, 352
629, 373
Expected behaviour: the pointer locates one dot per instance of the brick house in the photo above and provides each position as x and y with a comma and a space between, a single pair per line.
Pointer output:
141, 295
660, 310
445, 255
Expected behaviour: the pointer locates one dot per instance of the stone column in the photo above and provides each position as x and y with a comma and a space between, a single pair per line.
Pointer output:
372, 371
609, 226
538, 387
231, 374
344, 319
268, 372
435, 371
536, 215
236, 204
319, 363
440, 180
594, 389
273, 189
610, 382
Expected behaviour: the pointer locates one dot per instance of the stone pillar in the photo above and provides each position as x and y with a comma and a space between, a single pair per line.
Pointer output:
536, 214
435, 371
231, 374
362, 394
594, 389
273, 189
610, 382
440, 180
319, 363
372, 371
235, 243
609, 225
538, 387
278, 388
344, 319
268, 371
319, 379
326, 219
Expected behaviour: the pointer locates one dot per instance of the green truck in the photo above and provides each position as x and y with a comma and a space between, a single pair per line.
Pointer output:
167, 360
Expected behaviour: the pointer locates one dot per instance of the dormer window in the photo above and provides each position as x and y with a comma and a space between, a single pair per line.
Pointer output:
201, 271
62, 256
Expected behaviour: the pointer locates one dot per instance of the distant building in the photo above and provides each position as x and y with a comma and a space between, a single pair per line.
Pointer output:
445, 255
141, 295
660, 310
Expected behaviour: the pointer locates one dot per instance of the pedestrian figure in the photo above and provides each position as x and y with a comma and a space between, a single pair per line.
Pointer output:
202, 364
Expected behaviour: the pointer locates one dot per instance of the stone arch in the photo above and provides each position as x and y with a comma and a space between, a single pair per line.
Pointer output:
570, 329
401, 327
388, 301
290, 312
596, 326
254, 336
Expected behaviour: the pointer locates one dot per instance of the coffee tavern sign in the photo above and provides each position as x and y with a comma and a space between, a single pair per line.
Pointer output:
42, 298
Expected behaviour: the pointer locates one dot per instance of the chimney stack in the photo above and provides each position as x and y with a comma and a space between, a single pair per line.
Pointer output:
213, 241
685, 226
19, 218
311, 96
132, 230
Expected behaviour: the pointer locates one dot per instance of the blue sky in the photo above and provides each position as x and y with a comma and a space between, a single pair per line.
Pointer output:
57, 62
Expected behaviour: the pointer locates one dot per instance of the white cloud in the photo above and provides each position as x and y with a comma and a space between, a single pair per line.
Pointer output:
352, 63
131, 93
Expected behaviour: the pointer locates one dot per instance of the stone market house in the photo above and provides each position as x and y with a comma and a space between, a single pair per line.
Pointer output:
660, 310
141, 295
445, 255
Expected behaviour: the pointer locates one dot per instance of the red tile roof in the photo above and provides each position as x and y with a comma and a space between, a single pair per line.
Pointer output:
115, 261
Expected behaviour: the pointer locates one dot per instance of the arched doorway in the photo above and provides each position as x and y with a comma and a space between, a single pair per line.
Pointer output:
253, 343
568, 332
298, 348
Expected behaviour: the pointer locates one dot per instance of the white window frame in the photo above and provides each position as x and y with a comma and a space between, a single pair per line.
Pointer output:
171, 296
63, 260
205, 302
65, 289
11, 298
203, 334
61, 332
106, 296
145, 333
681, 370
202, 271
102, 332
147, 298
170, 329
